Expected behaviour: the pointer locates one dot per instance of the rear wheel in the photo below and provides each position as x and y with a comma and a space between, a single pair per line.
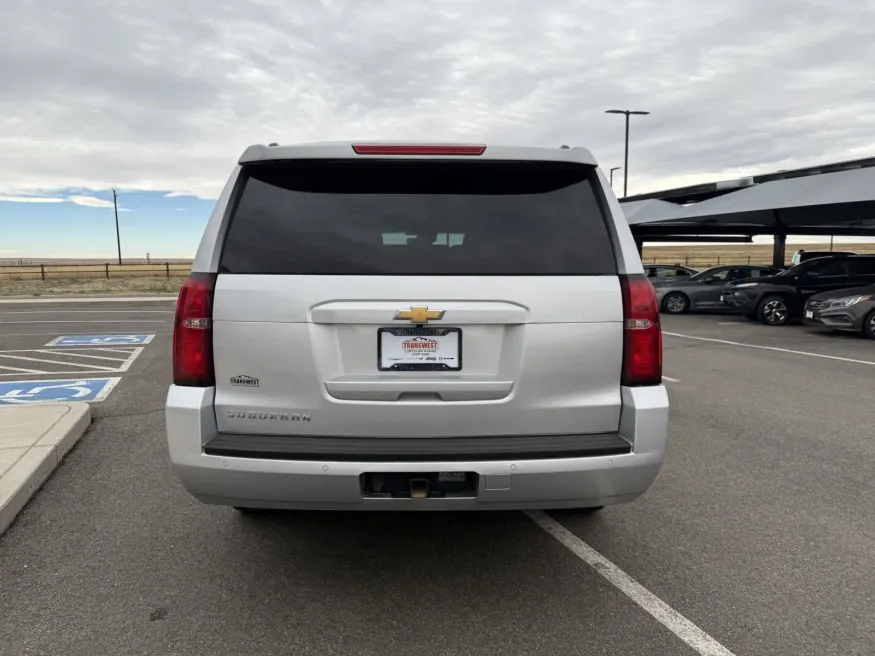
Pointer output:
774, 311
587, 511
676, 303
869, 325
248, 511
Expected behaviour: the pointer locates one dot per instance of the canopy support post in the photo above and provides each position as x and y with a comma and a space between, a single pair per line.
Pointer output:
779, 251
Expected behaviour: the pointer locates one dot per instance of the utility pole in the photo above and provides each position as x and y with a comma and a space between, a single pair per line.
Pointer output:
118, 238
627, 113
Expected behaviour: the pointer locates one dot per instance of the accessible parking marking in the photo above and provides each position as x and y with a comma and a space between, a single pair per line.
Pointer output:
68, 361
100, 340
90, 390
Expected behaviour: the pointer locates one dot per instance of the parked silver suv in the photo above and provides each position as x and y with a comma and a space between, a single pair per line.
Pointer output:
417, 327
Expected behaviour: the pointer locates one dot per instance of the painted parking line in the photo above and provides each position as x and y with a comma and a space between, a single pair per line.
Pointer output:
85, 321
771, 348
101, 340
692, 635
68, 361
64, 311
671, 380
88, 390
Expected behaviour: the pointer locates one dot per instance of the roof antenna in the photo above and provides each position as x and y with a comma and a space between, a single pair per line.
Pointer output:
271, 145
563, 146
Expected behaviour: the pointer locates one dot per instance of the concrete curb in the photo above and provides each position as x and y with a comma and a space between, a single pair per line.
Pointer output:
11, 300
34, 439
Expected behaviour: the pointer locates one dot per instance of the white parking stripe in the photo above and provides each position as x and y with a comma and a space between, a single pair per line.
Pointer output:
63, 311
671, 380
770, 348
60, 362
72, 352
138, 321
110, 350
683, 628
62, 367
25, 371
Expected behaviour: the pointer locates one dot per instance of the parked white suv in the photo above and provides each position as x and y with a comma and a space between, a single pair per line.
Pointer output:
417, 327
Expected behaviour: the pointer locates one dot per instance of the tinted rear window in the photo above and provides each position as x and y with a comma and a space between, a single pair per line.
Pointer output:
385, 217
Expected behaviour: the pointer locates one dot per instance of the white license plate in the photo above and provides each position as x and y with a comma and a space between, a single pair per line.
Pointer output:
809, 314
419, 349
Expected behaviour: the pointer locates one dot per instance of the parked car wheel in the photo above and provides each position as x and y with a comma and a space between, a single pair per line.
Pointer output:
774, 311
869, 325
248, 511
676, 303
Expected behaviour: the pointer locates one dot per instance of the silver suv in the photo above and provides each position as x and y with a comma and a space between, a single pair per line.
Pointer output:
417, 327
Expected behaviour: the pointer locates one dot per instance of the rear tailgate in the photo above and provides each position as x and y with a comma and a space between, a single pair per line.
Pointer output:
412, 298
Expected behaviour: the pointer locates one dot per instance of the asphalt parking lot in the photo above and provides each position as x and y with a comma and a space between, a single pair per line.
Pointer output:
759, 530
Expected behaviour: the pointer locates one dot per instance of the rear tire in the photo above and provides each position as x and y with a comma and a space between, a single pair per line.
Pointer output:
248, 511
676, 303
869, 325
587, 511
774, 311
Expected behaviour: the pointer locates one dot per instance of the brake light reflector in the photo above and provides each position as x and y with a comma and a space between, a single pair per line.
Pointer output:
193, 333
414, 149
642, 333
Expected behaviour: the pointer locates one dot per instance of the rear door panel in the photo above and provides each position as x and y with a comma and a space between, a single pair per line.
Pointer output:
538, 360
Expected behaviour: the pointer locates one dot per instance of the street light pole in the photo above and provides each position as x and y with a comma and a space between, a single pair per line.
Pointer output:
118, 238
616, 168
627, 113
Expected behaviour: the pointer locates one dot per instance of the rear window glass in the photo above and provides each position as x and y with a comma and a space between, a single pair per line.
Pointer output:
384, 217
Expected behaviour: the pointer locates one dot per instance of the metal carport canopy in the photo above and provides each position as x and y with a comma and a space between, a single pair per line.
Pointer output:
840, 203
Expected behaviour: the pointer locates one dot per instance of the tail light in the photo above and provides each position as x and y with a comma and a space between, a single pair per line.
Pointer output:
415, 149
193, 333
642, 334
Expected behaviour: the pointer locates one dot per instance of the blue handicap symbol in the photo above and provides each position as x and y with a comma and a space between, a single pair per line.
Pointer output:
18, 392
101, 340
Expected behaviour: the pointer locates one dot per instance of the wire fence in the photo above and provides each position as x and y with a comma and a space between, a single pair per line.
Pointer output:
90, 271
704, 262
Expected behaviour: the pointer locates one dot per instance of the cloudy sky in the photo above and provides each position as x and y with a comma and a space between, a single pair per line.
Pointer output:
158, 98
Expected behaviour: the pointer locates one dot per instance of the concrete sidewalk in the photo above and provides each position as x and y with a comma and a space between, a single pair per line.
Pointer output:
33, 441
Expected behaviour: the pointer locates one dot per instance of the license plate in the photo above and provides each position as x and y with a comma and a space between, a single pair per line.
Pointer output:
419, 349
809, 314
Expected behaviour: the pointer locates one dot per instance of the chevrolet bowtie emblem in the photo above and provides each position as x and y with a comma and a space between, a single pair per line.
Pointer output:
419, 314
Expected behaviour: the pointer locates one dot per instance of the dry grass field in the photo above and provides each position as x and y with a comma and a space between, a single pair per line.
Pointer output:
91, 287
52, 277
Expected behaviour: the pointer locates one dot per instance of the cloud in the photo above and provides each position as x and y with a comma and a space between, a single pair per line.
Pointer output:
165, 96
29, 199
90, 201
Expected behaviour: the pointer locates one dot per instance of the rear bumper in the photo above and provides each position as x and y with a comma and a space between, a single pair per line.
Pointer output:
335, 483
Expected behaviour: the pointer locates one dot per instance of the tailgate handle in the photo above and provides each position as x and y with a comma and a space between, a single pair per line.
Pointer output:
419, 390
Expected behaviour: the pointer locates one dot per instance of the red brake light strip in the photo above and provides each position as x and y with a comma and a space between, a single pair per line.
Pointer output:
413, 149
